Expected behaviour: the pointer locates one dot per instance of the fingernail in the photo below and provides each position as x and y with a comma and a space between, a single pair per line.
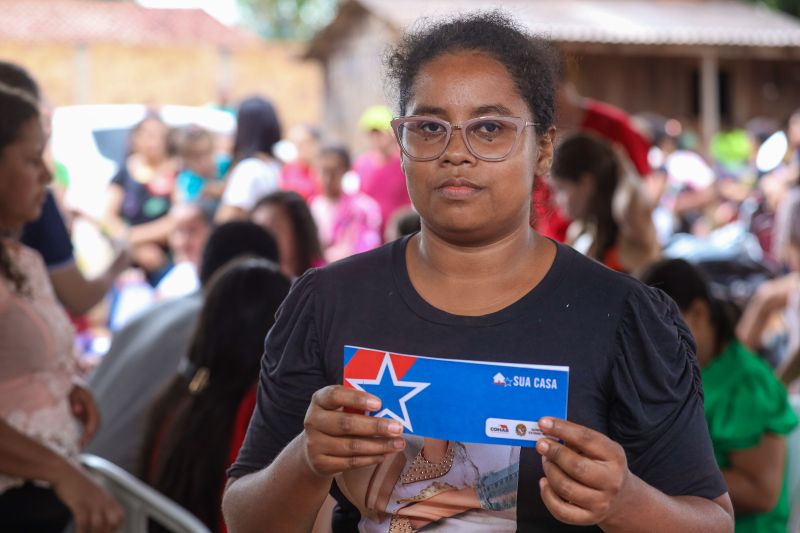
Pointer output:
546, 423
543, 446
394, 427
541, 483
399, 444
373, 404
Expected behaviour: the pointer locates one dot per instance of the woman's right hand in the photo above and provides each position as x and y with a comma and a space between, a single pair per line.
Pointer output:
93, 509
336, 441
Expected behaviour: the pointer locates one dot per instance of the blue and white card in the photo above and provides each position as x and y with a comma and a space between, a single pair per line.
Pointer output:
456, 400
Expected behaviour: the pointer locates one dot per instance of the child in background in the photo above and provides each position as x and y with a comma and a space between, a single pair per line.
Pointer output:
200, 166
193, 225
300, 175
348, 223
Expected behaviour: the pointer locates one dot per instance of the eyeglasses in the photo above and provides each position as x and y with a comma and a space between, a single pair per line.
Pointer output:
487, 138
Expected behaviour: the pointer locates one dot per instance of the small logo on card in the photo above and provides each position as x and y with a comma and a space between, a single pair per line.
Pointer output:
523, 429
499, 379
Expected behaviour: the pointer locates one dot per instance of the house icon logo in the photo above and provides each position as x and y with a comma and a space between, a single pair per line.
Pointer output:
499, 379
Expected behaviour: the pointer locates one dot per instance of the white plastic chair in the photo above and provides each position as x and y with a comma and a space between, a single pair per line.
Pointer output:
140, 501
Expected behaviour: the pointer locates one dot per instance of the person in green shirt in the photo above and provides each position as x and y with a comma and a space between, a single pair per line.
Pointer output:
746, 406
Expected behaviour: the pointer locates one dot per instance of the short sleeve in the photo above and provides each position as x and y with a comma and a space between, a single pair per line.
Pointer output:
249, 181
657, 409
291, 371
755, 404
120, 179
48, 235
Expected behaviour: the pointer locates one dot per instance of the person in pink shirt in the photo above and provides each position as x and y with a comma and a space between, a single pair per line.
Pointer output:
379, 168
46, 416
348, 223
299, 175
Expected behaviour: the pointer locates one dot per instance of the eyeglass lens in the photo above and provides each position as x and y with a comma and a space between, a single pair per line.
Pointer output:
487, 138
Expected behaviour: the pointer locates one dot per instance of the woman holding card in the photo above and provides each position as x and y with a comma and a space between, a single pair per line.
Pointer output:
478, 284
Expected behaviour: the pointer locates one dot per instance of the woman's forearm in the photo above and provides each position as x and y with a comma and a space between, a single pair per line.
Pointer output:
747, 495
648, 509
156, 231
287, 495
23, 457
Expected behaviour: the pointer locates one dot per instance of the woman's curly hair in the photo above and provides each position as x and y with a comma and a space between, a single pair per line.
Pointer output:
532, 61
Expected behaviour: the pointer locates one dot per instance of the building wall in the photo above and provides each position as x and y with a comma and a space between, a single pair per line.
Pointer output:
52, 65
354, 80
637, 84
175, 74
765, 88
278, 72
756, 87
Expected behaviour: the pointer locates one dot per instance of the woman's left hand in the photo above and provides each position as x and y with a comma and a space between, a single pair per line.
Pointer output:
85, 410
586, 477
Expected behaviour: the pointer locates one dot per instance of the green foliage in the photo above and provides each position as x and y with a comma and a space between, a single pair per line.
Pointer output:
792, 7
287, 19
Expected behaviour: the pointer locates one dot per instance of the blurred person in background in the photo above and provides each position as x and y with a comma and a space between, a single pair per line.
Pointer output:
147, 353
49, 235
193, 224
774, 187
348, 223
140, 196
772, 316
202, 168
300, 175
379, 170
610, 209
577, 113
254, 172
45, 416
746, 407
212, 399
286, 216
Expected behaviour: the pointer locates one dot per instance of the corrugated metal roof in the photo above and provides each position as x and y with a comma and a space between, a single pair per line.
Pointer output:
91, 21
646, 22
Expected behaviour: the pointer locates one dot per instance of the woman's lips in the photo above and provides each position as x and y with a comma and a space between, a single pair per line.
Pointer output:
458, 189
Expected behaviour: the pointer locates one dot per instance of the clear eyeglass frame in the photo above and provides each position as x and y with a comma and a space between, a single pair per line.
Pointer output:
519, 123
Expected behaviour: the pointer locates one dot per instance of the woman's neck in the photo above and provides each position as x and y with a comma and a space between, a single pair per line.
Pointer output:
480, 279
467, 261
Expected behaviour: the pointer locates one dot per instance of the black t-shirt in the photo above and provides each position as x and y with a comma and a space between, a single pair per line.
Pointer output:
49, 236
633, 375
143, 202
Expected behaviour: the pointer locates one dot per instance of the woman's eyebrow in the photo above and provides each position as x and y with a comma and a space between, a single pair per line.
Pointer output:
493, 109
428, 110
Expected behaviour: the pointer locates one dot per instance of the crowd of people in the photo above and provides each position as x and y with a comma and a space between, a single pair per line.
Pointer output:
462, 232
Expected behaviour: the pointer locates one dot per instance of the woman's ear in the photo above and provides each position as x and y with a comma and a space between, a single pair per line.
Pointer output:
546, 146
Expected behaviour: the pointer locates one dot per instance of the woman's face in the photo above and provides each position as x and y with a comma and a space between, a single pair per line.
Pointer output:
574, 198
150, 140
273, 218
23, 177
458, 196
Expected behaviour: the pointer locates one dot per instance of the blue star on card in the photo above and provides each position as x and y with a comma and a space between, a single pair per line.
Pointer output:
393, 393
